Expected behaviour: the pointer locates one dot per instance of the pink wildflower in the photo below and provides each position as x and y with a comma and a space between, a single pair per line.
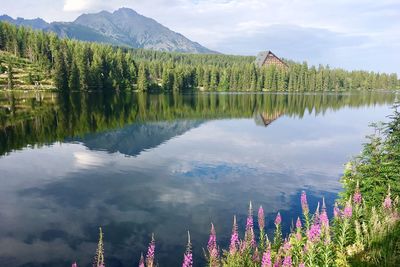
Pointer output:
151, 252
261, 218
234, 238
188, 256
141, 262
212, 245
357, 198
287, 262
249, 234
323, 218
314, 233
266, 259
304, 204
287, 246
336, 211
348, 210
298, 223
212, 241
278, 219
387, 203
74, 265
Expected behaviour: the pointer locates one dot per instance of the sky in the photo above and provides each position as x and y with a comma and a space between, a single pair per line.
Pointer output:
351, 34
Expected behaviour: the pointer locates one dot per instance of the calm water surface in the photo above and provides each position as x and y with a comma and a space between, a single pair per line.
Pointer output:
136, 164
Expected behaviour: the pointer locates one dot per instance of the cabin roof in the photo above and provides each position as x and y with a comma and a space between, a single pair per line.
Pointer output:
262, 56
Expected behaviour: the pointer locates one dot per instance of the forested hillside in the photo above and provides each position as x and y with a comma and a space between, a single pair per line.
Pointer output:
76, 65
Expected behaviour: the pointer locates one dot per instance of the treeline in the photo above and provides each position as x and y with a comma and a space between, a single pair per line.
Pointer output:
77, 65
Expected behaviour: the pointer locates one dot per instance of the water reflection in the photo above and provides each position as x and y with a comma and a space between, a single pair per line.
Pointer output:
42, 118
138, 164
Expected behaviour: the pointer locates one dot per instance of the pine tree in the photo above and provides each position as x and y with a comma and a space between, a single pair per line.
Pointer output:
167, 79
60, 72
214, 79
74, 81
143, 83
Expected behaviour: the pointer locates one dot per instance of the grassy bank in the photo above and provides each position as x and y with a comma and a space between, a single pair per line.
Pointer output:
373, 171
25, 75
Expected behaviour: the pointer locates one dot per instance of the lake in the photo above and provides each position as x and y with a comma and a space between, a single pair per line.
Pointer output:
138, 164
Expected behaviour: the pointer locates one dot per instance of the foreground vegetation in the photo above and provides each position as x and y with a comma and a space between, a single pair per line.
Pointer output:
364, 230
76, 65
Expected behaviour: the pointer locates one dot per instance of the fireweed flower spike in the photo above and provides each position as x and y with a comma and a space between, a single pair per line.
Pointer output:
249, 234
141, 262
336, 211
212, 241
305, 208
298, 229
287, 246
278, 219
287, 262
314, 233
357, 198
348, 210
74, 265
188, 256
234, 246
304, 204
212, 247
261, 225
323, 217
298, 224
266, 259
387, 203
278, 232
99, 257
150, 252
261, 218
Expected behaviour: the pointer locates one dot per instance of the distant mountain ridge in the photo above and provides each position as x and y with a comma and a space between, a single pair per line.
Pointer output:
123, 27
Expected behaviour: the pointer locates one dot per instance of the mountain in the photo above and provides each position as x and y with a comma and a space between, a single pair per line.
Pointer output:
37, 23
136, 138
123, 27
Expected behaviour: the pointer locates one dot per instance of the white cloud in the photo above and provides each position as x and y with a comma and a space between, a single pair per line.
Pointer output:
77, 5
87, 159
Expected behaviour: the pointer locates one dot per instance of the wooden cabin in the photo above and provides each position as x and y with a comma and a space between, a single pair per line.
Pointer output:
267, 58
265, 118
